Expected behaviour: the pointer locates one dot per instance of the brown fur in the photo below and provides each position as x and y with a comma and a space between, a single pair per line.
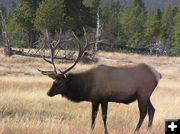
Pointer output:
104, 84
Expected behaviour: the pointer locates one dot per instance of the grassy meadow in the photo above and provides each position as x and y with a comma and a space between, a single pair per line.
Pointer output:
26, 109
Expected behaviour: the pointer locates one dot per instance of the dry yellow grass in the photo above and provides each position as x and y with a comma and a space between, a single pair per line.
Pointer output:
25, 108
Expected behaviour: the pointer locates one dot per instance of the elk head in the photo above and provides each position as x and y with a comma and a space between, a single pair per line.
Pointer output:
60, 79
58, 86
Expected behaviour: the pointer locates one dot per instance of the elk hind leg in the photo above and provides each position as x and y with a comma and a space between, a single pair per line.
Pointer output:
142, 104
151, 111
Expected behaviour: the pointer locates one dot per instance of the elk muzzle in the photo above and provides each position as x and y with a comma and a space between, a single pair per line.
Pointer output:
49, 94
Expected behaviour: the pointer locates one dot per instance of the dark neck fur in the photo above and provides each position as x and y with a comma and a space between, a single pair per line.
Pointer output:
76, 88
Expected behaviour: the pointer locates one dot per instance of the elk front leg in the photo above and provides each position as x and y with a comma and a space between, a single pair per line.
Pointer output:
104, 107
95, 107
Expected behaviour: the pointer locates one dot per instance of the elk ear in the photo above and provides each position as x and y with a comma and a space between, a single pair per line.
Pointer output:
60, 76
53, 76
69, 77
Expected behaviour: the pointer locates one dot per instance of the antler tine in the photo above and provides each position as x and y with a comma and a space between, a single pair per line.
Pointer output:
52, 51
85, 37
46, 72
49, 72
47, 37
52, 54
78, 41
81, 51
59, 39
58, 43
47, 60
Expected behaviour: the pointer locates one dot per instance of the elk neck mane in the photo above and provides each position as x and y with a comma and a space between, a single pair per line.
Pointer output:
77, 87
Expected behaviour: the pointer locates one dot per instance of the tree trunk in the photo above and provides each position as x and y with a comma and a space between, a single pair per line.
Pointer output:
7, 47
98, 33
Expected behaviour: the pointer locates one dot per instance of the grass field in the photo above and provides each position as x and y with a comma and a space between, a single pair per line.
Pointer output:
26, 109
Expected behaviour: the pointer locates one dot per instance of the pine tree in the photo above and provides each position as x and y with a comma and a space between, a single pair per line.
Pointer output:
136, 23
50, 15
79, 15
108, 15
21, 21
130, 24
122, 29
152, 27
167, 28
176, 35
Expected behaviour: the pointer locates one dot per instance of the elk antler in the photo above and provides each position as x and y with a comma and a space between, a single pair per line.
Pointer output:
52, 46
81, 50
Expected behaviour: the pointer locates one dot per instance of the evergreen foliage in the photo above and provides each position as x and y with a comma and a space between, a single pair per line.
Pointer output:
167, 27
130, 26
50, 15
21, 21
78, 14
152, 27
176, 35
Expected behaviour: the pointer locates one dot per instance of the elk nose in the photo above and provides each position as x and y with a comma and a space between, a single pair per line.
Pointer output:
48, 94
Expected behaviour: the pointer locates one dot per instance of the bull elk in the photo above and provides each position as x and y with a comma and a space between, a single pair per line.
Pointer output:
103, 84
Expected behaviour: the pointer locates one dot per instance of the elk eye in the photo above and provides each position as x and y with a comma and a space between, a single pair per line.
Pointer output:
57, 82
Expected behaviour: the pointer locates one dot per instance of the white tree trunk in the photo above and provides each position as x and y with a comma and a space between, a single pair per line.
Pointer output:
98, 32
7, 47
